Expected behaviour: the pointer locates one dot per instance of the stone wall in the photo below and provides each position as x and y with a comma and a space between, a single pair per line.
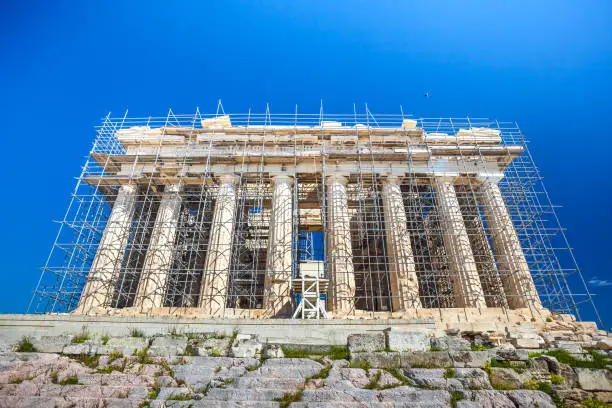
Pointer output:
556, 363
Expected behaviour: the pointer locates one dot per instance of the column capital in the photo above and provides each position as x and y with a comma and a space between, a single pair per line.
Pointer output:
279, 178
490, 178
129, 187
228, 179
337, 178
445, 178
391, 178
173, 188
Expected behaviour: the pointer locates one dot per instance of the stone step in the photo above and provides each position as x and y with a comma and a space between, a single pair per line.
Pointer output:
284, 372
284, 383
76, 390
215, 404
237, 394
404, 396
60, 402
220, 361
342, 404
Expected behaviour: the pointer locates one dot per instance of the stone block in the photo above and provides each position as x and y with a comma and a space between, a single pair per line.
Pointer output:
468, 404
80, 348
570, 346
216, 347
591, 379
603, 343
506, 354
529, 343
168, 346
505, 378
274, 351
407, 341
473, 378
570, 377
124, 345
529, 398
469, 359
450, 343
378, 359
426, 359
166, 381
246, 348
51, 344
366, 342
492, 399
167, 392
573, 397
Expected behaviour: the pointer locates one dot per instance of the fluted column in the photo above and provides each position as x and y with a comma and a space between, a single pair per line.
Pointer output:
339, 248
213, 297
279, 261
516, 277
402, 272
464, 274
158, 260
106, 266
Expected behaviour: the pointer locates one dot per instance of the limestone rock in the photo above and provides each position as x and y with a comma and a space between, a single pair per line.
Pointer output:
591, 379
473, 378
166, 381
469, 359
433, 359
214, 346
51, 344
573, 397
123, 345
385, 379
366, 342
570, 378
378, 360
468, 404
529, 398
407, 341
165, 393
603, 343
492, 399
167, 346
450, 343
505, 378
433, 378
245, 347
274, 352
570, 346
529, 343
505, 354
80, 349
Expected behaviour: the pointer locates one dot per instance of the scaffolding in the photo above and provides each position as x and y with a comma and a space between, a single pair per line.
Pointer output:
192, 151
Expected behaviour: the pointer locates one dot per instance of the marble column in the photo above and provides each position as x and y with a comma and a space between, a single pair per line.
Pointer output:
158, 260
279, 261
106, 266
213, 296
516, 277
464, 273
402, 271
339, 248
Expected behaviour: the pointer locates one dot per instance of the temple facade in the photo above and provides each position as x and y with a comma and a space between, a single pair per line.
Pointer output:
312, 221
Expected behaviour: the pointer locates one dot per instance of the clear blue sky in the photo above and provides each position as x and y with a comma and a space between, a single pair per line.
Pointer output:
64, 65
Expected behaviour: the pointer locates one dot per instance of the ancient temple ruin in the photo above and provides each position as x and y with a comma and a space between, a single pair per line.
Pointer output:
309, 216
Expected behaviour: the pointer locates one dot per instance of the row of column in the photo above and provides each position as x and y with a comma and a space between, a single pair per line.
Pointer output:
468, 290
517, 281
98, 290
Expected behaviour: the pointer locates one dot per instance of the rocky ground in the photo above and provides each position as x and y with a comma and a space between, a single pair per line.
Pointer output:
565, 365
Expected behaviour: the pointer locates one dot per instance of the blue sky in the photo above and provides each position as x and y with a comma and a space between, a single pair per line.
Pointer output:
64, 65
